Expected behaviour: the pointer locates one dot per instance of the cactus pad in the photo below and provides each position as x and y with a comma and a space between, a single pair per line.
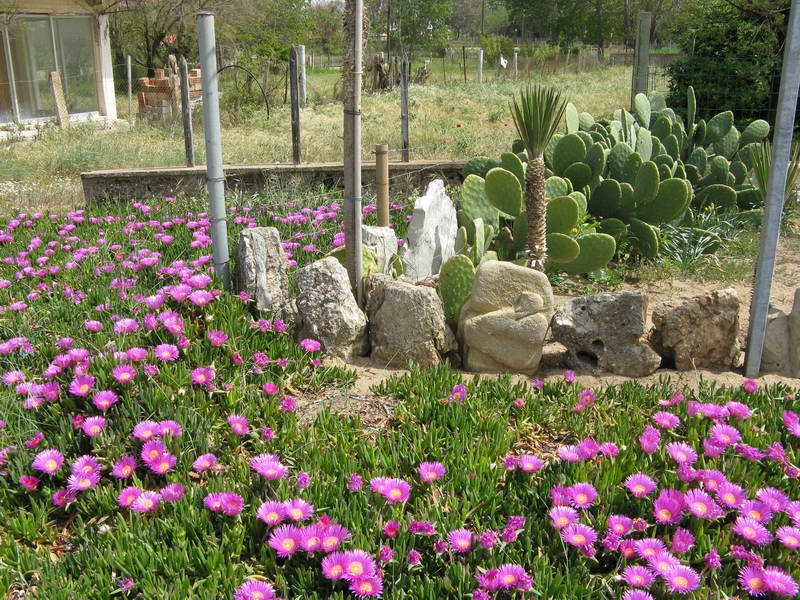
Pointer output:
597, 250
562, 248
511, 162
586, 121
579, 174
570, 149
606, 198
555, 187
644, 144
455, 285
718, 127
572, 118
718, 194
461, 241
642, 107
563, 214
670, 203
504, 191
613, 227
729, 144
757, 131
691, 108
475, 204
596, 159
645, 238
646, 184
480, 165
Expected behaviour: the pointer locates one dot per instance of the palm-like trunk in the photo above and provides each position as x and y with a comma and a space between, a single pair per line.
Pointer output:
536, 209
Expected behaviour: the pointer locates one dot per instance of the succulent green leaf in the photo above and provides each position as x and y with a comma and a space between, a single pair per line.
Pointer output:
632, 166
642, 106
596, 251
627, 204
586, 121
692, 174
505, 245
570, 149
596, 159
747, 154
739, 171
672, 146
480, 165
555, 187
644, 238
748, 198
757, 131
662, 127
511, 162
691, 108
475, 203
720, 195
613, 227
670, 203
699, 159
456, 278
562, 248
517, 146
729, 144
520, 231
657, 101
563, 214
699, 135
504, 191
718, 127
646, 184
605, 199
579, 173
644, 143
582, 203
718, 169
550, 149
617, 158
461, 240
571, 117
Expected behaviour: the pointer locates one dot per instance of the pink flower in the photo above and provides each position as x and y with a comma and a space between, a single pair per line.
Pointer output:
749, 386
48, 461
239, 424
202, 376
431, 471
217, 337
93, 426
460, 540
310, 345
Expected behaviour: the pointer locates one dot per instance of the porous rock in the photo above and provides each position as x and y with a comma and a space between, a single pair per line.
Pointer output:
262, 271
698, 332
605, 332
407, 324
328, 311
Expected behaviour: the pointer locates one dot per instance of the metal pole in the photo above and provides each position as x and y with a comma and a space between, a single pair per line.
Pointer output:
301, 59
776, 190
294, 85
382, 182
480, 65
641, 57
352, 67
186, 113
215, 175
406, 65
464, 60
130, 92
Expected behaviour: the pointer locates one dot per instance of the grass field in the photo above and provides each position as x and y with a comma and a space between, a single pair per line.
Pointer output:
453, 121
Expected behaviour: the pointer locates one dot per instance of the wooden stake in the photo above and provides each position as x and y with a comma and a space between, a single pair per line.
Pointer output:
186, 113
294, 84
57, 89
382, 182
406, 66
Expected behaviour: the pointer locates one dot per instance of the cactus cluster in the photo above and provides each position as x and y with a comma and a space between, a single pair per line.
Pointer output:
645, 169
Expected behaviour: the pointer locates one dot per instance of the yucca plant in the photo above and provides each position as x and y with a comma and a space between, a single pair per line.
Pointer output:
537, 113
762, 163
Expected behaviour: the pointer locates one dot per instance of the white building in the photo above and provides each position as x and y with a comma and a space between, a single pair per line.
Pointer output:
41, 36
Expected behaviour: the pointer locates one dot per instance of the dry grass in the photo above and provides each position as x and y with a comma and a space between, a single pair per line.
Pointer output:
452, 121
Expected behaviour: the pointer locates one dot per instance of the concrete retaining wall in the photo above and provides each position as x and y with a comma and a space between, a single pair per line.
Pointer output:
144, 184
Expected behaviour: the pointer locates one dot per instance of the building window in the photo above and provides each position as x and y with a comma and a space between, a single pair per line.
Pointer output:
38, 45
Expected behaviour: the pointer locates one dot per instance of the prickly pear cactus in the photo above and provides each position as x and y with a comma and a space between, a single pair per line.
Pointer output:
455, 285
475, 204
561, 248
562, 215
504, 191
512, 162
596, 251
480, 165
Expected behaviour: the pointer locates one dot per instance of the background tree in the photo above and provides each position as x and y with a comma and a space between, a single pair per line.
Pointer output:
327, 36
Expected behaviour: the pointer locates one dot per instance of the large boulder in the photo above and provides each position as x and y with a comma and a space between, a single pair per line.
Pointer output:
407, 324
262, 271
698, 332
383, 243
605, 331
328, 311
504, 321
430, 239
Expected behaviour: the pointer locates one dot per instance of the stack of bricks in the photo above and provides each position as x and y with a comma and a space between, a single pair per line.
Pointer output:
159, 96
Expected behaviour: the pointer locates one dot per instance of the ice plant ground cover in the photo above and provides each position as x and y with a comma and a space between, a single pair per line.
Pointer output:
149, 448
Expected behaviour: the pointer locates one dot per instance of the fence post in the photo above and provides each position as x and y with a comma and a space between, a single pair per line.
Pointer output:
516, 64
641, 56
351, 94
186, 113
294, 85
480, 65
405, 66
130, 91
776, 190
215, 176
464, 60
382, 183
301, 60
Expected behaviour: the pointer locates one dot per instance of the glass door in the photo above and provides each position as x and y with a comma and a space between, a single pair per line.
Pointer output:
6, 100
33, 59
